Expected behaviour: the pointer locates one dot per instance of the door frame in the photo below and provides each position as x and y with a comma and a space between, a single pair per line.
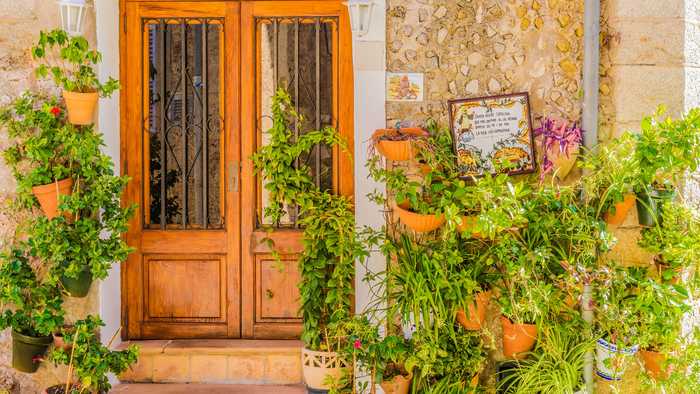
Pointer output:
240, 115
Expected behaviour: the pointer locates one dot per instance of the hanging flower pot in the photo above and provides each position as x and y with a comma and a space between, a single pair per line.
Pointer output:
518, 339
397, 385
61, 389
420, 223
81, 107
563, 161
468, 226
649, 205
473, 318
398, 144
618, 215
80, 286
317, 366
27, 351
612, 361
59, 340
49, 195
652, 364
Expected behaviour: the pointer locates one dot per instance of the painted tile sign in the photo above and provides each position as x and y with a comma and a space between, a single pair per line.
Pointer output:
404, 87
490, 132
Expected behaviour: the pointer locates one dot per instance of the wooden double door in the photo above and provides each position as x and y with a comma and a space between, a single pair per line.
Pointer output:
197, 82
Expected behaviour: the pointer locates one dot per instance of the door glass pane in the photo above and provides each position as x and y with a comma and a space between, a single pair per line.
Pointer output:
297, 53
184, 123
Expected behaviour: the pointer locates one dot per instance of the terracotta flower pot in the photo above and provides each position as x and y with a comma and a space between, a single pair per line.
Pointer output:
81, 107
48, 195
317, 366
418, 222
563, 162
518, 339
622, 208
402, 150
652, 363
467, 226
474, 318
397, 385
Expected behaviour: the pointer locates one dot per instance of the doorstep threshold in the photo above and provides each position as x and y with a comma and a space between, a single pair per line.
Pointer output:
215, 346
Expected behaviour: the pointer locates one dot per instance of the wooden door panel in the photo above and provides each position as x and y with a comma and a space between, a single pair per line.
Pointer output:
270, 298
277, 285
185, 288
180, 143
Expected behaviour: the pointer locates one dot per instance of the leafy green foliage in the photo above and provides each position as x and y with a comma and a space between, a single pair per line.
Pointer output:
90, 360
39, 153
33, 305
76, 70
331, 242
556, 364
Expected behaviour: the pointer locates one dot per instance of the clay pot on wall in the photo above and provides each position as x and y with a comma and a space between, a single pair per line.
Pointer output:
468, 225
417, 222
27, 351
78, 287
617, 216
317, 366
652, 364
398, 144
518, 339
473, 318
49, 195
563, 162
649, 206
397, 385
81, 107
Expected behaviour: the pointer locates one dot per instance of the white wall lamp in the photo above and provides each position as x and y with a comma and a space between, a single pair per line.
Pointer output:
73, 15
360, 16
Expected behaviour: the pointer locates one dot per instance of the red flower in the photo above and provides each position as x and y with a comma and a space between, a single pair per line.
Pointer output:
55, 111
357, 344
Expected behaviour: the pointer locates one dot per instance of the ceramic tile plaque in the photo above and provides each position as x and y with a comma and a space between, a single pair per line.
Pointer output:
492, 132
404, 87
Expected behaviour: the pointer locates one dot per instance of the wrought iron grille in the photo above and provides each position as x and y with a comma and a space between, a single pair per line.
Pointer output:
184, 123
299, 54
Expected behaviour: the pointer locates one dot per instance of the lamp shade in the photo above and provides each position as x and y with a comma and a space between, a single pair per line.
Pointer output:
73, 15
360, 15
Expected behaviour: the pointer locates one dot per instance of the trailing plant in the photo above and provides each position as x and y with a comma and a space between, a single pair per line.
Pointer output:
555, 365
74, 67
97, 218
559, 138
667, 148
89, 361
331, 242
32, 305
40, 143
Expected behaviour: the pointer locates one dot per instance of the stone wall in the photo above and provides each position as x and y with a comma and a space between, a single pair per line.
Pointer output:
21, 22
477, 48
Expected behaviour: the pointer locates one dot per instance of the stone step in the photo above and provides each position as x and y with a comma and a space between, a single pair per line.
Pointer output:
174, 388
246, 362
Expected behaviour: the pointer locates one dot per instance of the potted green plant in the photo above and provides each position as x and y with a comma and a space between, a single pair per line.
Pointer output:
560, 145
399, 143
38, 155
617, 322
32, 308
382, 356
74, 71
89, 361
666, 149
675, 242
331, 244
555, 365
97, 223
612, 171
660, 308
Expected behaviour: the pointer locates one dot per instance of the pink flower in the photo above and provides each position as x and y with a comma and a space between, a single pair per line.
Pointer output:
56, 111
357, 344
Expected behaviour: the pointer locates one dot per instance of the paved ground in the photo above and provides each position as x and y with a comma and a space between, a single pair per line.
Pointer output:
205, 388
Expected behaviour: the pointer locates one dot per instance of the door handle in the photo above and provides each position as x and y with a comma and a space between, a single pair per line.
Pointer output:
234, 171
